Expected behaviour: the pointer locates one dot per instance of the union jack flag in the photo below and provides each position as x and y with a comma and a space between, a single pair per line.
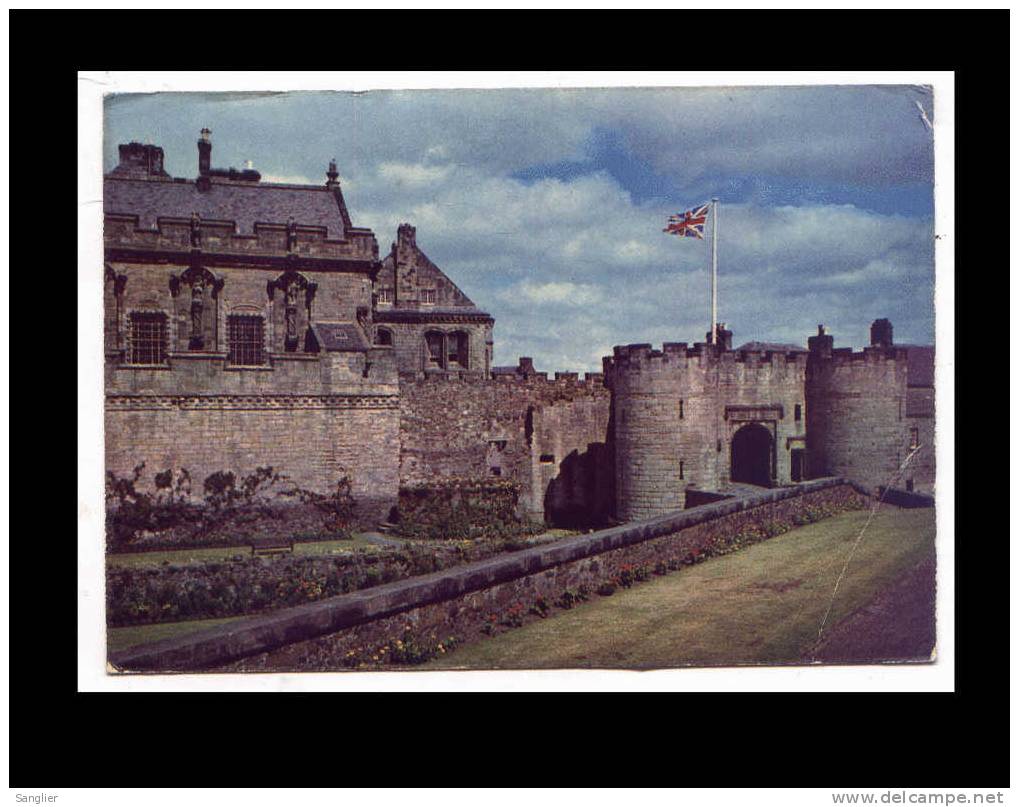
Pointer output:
689, 224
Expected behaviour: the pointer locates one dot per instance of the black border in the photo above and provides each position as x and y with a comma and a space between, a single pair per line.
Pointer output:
61, 737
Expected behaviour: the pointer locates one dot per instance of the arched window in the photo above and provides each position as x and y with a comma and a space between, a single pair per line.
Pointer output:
435, 346
384, 337
458, 350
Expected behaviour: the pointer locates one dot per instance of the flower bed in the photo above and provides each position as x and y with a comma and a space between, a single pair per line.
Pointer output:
511, 604
246, 585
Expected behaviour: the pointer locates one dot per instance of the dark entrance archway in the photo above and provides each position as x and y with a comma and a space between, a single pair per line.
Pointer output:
751, 455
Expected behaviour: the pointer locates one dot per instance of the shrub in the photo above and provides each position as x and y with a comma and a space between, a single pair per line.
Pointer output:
131, 512
570, 598
338, 506
463, 508
540, 607
514, 616
607, 589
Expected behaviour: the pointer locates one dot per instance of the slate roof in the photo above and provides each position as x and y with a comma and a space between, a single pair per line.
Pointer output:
340, 336
241, 202
919, 365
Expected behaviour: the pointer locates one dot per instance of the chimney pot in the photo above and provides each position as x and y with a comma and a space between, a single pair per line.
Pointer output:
204, 153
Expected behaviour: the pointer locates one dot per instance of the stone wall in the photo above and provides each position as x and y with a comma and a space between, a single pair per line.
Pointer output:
408, 338
548, 435
460, 601
920, 416
856, 414
314, 440
313, 416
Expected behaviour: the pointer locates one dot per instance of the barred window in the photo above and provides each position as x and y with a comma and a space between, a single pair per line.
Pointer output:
385, 295
428, 295
246, 339
148, 338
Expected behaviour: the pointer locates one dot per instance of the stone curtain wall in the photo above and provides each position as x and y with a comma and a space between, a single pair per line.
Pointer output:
531, 430
314, 440
459, 602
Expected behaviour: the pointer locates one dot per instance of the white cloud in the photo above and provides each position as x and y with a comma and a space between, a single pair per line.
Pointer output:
292, 179
403, 174
569, 294
570, 267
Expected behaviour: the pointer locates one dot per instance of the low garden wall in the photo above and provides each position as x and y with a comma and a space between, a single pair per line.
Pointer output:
410, 620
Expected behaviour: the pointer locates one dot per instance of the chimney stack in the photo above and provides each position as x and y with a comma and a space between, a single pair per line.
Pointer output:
140, 159
822, 344
332, 175
881, 333
204, 153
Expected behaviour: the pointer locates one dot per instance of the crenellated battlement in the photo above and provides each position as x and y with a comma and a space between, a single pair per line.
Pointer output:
680, 355
874, 354
590, 382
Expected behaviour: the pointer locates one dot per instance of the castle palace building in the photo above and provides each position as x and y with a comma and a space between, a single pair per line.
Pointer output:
249, 323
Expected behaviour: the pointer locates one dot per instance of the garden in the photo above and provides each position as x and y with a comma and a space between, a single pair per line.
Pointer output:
200, 567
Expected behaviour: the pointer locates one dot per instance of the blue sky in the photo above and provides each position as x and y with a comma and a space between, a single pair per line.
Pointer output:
546, 206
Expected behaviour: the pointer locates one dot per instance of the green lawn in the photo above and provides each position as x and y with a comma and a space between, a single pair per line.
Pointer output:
181, 556
762, 604
119, 638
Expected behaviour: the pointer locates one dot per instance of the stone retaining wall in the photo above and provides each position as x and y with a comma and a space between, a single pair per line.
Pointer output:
460, 602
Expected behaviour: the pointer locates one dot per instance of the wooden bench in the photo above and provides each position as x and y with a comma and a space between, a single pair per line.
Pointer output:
279, 546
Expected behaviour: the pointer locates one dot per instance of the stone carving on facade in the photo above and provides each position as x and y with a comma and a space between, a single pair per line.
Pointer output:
197, 303
196, 230
291, 284
291, 234
199, 280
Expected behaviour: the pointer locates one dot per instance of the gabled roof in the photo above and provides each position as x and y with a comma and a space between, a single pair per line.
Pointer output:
456, 302
243, 203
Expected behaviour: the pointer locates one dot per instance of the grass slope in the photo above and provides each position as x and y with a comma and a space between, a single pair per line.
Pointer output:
761, 605
194, 555
119, 638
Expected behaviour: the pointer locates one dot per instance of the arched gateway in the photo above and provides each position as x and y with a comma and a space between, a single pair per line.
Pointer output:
751, 455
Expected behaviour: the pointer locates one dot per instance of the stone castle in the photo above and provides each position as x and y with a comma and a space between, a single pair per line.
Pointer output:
250, 323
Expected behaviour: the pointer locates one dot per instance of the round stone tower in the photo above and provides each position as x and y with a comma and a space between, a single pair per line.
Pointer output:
665, 427
856, 418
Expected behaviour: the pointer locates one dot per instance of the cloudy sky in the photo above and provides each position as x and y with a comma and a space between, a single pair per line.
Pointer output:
547, 206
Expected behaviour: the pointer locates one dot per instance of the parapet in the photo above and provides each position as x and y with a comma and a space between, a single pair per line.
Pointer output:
643, 356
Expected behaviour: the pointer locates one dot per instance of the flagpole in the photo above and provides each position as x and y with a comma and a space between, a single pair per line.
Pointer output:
714, 269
